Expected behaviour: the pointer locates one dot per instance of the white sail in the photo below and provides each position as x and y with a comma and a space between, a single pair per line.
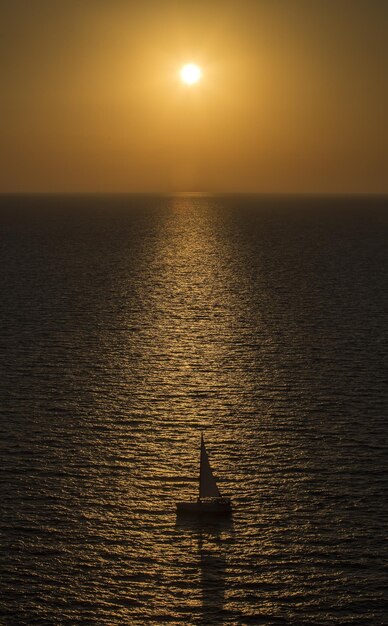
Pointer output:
207, 483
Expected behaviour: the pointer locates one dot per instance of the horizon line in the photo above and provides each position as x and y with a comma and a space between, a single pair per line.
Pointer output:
316, 194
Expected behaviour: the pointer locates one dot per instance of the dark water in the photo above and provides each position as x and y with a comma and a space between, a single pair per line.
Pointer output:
128, 325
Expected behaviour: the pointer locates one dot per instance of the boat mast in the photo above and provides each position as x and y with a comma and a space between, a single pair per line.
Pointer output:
200, 467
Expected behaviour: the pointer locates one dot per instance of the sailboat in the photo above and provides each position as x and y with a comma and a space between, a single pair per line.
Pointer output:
210, 501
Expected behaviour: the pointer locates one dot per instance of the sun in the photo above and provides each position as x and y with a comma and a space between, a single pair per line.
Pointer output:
190, 73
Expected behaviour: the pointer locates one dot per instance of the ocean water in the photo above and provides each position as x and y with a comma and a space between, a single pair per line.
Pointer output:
131, 324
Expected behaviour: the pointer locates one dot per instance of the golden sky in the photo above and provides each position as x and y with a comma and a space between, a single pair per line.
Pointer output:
293, 97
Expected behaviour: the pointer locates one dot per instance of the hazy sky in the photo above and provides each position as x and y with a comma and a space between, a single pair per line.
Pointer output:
293, 98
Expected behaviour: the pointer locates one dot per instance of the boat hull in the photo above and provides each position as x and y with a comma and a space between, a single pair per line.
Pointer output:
202, 508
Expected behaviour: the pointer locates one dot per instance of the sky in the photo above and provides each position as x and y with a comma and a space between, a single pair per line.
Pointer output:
293, 97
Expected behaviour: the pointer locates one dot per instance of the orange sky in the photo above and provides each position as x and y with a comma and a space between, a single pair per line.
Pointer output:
293, 98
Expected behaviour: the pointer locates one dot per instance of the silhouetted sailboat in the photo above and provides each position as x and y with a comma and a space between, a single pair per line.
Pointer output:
210, 500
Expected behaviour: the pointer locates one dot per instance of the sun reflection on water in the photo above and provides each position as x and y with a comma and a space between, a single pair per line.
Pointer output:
183, 352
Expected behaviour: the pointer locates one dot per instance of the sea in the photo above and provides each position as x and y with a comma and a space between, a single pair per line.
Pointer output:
131, 324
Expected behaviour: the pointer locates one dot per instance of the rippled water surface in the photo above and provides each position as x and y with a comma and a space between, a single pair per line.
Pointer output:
128, 326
